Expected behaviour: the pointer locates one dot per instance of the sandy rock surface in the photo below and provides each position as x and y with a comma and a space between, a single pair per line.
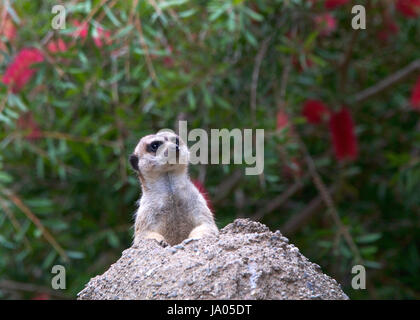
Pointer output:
246, 261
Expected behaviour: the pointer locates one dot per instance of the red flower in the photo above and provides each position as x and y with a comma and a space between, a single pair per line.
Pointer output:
101, 34
203, 192
326, 24
409, 8
332, 4
19, 72
415, 96
315, 111
390, 28
82, 29
27, 123
41, 296
282, 119
343, 136
168, 62
57, 46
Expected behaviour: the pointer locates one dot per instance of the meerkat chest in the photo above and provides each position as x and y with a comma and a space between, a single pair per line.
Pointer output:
179, 205
170, 209
176, 220
174, 214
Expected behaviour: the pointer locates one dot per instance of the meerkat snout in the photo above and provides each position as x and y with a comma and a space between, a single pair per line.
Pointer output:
171, 207
134, 161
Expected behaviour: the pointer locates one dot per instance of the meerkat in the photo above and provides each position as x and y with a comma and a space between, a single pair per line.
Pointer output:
171, 209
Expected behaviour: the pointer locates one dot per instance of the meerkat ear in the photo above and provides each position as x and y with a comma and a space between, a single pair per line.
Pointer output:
134, 161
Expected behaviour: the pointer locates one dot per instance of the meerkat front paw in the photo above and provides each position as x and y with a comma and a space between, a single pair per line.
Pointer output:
151, 235
202, 231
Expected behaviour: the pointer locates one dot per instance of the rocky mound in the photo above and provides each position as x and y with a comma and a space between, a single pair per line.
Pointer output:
246, 261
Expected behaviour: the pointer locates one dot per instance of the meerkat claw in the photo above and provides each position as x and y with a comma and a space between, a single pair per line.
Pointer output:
162, 243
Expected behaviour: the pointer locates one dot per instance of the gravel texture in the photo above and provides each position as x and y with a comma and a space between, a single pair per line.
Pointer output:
246, 261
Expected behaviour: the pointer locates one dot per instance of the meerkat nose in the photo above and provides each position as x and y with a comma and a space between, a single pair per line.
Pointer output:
134, 161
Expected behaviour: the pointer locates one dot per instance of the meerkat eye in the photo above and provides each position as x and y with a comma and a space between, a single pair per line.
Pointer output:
154, 146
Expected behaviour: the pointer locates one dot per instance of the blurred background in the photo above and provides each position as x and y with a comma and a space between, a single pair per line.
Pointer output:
340, 108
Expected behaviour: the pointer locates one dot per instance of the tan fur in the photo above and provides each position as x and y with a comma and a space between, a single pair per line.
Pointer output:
171, 208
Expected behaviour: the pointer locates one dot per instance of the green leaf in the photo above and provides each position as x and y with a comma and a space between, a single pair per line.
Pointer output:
372, 264
254, 15
171, 3
111, 16
368, 238
75, 254
5, 119
5, 177
16, 101
5, 243
187, 13
310, 40
191, 100
218, 11
369, 250
113, 239
250, 38
48, 261
124, 31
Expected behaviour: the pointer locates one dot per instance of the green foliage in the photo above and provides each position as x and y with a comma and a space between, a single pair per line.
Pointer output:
196, 60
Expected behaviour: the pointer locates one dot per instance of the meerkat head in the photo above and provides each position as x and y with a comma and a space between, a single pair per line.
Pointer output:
160, 153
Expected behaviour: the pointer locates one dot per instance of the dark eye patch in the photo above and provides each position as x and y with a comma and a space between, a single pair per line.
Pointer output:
134, 161
152, 147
